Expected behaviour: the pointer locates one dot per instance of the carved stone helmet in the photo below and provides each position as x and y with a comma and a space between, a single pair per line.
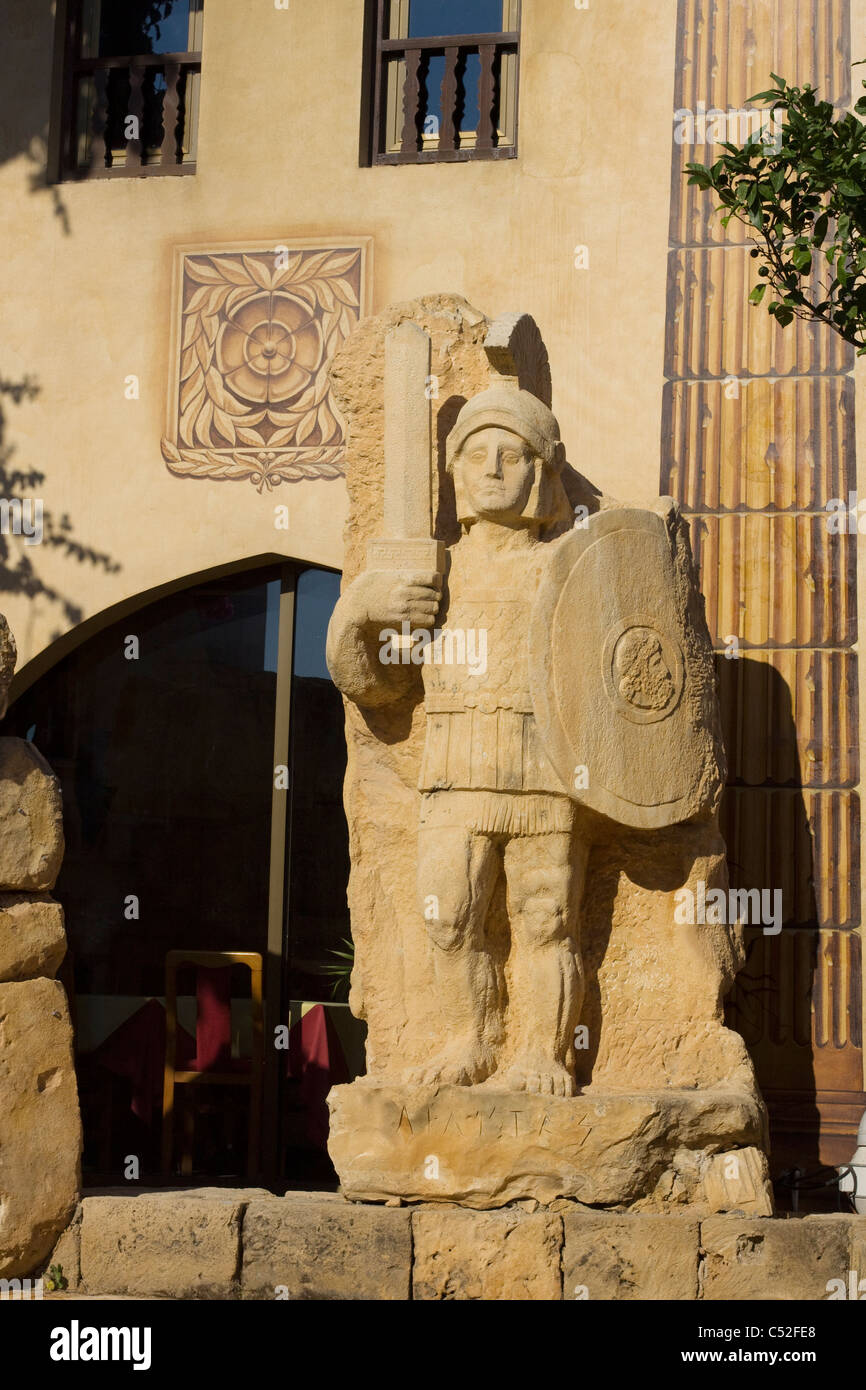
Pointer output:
505, 406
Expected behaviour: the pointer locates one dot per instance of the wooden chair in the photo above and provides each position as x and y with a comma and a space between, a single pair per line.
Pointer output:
218, 1068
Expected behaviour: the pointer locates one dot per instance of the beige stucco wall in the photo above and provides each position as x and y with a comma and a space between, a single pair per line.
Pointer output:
278, 158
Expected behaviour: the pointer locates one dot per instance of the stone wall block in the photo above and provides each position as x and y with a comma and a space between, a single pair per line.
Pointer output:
630, 1257
40, 1127
502, 1255
32, 939
322, 1247
773, 1259
167, 1246
31, 819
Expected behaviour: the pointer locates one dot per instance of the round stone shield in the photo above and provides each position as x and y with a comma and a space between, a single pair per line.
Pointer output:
622, 675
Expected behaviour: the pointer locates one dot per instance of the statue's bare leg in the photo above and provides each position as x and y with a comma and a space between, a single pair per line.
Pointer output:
545, 876
457, 872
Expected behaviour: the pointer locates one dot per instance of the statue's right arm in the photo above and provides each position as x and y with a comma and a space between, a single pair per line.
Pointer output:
373, 603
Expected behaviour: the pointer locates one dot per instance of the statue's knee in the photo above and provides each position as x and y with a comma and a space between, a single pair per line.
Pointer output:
542, 921
446, 930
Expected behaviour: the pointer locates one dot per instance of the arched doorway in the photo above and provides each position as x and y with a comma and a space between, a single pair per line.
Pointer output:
199, 743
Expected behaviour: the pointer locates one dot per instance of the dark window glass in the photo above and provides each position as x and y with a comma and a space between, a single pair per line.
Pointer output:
470, 77
166, 759
429, 18
115, 70
128, 27
319, 864
166, 767
165, 763
460, 52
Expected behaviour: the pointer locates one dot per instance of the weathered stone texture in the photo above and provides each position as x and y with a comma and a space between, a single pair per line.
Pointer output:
484, 1148
164, 1245
858, 1247
221, 1244
766, 1259
467, 823
630, 1257
501, 1255
67, 1254
385, 747
32, 939
321, 1248
40, 1127
8, 657
31, 819
738, 1181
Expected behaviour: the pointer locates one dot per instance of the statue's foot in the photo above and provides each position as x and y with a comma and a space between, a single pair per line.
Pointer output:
539, 1075
463, 1064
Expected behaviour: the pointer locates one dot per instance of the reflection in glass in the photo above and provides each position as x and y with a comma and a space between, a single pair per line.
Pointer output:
125, 28
319, 859
161, 729
430, 18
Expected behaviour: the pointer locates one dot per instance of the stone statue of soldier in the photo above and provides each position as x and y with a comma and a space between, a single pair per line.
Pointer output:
492, 802
525, 919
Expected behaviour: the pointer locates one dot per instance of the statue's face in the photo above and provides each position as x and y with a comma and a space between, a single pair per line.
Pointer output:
498, 473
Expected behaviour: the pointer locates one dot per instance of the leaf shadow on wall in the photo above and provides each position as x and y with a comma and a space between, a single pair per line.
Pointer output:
28, 50
19, 573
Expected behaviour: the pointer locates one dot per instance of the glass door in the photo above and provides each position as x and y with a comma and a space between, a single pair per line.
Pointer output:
199, 743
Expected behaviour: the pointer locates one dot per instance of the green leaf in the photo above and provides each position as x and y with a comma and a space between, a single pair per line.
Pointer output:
806, 185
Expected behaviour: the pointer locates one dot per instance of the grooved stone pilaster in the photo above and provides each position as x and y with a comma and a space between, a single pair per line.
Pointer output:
758, 436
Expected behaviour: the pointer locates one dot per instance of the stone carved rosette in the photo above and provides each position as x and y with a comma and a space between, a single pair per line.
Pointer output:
254, 332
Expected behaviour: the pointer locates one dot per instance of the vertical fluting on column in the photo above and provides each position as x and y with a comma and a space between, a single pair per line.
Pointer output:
757, 437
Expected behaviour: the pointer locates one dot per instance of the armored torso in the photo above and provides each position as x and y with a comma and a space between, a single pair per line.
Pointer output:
481, 732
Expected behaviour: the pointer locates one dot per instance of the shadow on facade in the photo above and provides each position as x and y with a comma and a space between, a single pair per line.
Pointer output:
19, 572
770, 847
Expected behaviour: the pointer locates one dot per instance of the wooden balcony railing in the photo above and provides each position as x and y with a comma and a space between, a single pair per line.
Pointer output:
123, 87
412, 103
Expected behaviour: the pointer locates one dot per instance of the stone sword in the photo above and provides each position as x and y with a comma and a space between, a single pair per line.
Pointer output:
408, 542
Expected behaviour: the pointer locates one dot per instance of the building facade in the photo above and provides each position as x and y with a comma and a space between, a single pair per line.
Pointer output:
200, 200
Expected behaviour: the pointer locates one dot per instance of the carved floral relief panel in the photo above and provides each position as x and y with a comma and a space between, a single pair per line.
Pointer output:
254, 329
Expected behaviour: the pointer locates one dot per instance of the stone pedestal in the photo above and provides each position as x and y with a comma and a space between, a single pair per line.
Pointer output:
485, 1148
